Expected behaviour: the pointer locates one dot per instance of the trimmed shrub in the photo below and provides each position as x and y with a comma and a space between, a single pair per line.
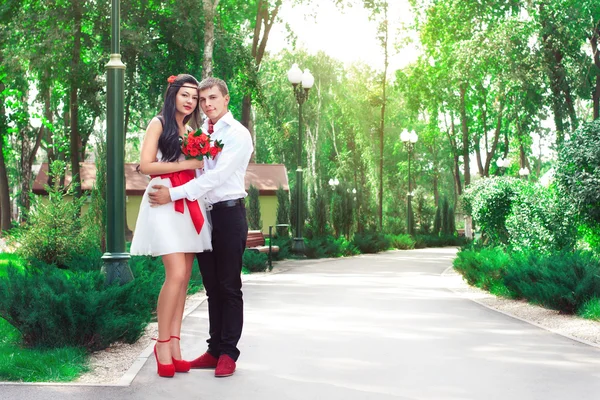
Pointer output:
437, 222
484, 268
52, 307
254, 261
401, 242
370, 242
254, 217
328, 246
562, 281
283, 212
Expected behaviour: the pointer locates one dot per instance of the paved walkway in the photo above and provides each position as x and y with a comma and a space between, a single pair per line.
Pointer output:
370, 327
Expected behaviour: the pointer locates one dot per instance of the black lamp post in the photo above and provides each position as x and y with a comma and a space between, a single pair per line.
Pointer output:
409, 139
296, 77
116, 265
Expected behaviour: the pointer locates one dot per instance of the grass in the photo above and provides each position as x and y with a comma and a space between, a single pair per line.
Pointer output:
8, 259
591, 309
37, 365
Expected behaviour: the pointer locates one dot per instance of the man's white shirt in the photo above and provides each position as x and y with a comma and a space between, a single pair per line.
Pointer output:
223, 177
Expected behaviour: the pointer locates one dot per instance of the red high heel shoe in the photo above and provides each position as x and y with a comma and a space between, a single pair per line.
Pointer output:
164, 370
181, 365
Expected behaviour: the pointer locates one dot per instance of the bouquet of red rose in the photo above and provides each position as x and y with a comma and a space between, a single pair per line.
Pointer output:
197, 144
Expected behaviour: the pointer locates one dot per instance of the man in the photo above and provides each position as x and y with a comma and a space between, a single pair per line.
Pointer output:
223, 190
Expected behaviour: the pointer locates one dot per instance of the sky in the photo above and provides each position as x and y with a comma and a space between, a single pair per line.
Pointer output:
346, 35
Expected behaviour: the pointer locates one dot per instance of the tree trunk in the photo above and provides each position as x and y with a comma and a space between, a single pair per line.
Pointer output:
73, 101
259, 44
5, 214
596, 56
554, 79
465, 135
492, 152
210, 9
382, 121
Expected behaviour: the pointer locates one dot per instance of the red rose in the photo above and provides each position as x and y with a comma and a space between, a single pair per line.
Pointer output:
214, 151
203, 138
194, 152
205, 150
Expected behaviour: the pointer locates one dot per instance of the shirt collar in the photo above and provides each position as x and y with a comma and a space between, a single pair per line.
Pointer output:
225, 119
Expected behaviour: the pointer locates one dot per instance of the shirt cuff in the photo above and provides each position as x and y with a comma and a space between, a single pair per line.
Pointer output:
177, 193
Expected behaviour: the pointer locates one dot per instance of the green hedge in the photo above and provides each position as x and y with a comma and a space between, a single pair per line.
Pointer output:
561, 281
52, 307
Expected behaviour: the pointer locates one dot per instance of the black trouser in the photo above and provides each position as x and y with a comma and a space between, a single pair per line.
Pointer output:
221, 275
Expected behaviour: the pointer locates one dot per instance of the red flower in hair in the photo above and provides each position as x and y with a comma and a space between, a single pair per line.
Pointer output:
171, 79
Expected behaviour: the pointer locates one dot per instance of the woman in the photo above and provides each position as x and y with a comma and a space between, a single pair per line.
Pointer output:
175, 231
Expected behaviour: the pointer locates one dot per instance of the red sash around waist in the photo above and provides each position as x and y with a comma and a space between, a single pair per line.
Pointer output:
178, 179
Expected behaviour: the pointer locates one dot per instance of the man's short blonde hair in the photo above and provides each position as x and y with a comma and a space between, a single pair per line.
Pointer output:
211, 82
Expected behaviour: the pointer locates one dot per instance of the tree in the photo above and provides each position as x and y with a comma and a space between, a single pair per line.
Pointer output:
254, 218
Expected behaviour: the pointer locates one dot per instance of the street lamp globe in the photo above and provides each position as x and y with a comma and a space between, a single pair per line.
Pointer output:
295, 75
35, 123
413, 137
524, 171
307, 79
336, 182
506, 163
405, 136
500, 162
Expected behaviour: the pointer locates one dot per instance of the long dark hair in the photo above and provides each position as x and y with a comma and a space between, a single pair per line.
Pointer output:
168, 143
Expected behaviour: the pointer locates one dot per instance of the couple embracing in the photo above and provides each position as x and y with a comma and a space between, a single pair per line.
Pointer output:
195, 209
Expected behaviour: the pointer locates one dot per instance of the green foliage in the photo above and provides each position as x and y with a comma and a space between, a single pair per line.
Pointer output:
401, 242
578, 176
97, 212
254, 218
53, 308
578, 170
293, 207
540, 220
283, 212
11, 261
55, 234
561, 281
437, 222
489, 202
590, 309
446, 223
328, 246
423, 241
285, 247
485, 268
254, 261
424, 210
37, 365
451, 222
342, 210
318, 221
370, 242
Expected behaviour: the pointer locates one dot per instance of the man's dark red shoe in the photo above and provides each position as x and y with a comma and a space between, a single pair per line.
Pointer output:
205, 361
225, 366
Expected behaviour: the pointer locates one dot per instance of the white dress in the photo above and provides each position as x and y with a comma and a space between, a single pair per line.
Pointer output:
162, 230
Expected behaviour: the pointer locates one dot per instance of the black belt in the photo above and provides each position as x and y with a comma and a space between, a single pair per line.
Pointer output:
226, 204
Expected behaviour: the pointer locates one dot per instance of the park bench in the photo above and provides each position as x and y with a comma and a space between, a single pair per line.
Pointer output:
255, 241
